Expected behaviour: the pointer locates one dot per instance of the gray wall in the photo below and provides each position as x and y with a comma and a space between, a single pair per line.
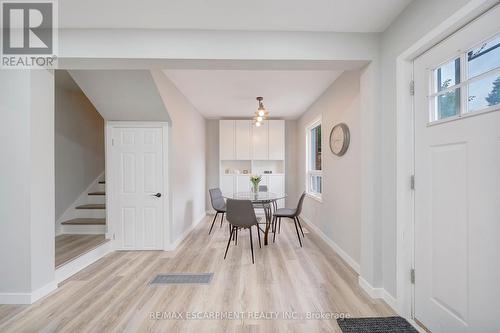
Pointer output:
417, 19
79, 145
27, 183
212, 149
187, 158
338, 216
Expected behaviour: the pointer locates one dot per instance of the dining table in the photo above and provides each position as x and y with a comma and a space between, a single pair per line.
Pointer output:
265, 200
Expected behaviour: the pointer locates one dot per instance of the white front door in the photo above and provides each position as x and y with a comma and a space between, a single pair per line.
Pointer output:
139, 191
457, 188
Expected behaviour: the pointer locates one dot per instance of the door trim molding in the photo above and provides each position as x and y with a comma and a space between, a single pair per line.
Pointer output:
405, 145
111, 182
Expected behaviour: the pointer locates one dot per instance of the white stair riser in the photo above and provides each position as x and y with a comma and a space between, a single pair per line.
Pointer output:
96, 199
83, 229
90, 213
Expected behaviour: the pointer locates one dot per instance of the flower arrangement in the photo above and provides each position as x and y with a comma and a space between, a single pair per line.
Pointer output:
255, 180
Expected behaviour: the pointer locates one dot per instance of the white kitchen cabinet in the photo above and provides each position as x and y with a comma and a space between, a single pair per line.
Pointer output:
227, 184
276, 184
243, 139
260, 142
276, 139
227, 140
243, 183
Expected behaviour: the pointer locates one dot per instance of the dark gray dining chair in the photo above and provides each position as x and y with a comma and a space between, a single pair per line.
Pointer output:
291, 213
263, 188
240, 215
218, 204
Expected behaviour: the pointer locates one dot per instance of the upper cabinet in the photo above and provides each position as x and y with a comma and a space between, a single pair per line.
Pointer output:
276, 139
243, 139
240, 140
260, 141
227, 146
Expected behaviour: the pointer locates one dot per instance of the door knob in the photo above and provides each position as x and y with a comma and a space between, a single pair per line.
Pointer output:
156, 195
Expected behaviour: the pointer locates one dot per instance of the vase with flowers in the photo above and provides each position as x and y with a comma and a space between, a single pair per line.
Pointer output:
255, 180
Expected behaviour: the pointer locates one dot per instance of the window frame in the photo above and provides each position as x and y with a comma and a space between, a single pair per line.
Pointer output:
309, 171
462, 86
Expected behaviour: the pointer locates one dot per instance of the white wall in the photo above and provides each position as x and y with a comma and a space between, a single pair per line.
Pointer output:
79, 145
187, 158
415, 21
212, 149
338, 216
122, 95
27, 186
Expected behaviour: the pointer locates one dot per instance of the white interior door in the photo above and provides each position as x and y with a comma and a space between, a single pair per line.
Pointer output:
457, 191
139, 191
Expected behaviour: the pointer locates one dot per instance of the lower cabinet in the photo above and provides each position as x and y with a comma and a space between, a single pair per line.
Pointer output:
243, 183
227, 184
230, 184
276, 184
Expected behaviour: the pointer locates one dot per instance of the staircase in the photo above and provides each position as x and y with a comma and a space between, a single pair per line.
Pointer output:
88, 214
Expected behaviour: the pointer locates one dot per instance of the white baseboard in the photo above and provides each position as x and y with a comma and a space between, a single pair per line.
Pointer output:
378, 293
83, 229
373, 292
347, 258
180, 239
28, 298
77, 264
369, 289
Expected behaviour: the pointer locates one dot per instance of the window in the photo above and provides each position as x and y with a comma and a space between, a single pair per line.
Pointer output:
314, 176
467, 84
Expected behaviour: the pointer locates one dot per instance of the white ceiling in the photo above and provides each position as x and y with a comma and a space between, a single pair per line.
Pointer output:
232, 93
255, 15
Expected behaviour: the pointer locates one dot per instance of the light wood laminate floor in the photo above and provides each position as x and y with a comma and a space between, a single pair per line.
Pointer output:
69, 247
114, 295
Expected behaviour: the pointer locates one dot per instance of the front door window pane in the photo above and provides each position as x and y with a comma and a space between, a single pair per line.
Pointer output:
448, 104
484, 93
484, 58
448, 75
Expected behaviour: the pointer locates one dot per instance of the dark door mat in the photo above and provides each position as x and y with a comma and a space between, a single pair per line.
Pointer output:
376, 325
183, 278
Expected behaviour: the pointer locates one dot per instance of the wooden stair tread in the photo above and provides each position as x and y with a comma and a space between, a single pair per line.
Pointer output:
85, 221
92, 206
98, 193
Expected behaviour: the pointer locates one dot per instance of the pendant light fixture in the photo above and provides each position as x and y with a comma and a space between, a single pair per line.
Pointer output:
261, 114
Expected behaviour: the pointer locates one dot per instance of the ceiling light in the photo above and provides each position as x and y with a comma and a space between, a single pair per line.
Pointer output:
261, 112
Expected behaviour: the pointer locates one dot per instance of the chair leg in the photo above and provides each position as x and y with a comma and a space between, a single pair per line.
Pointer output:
297, 229
279, 226
215, 217
229, 241
300, 226
251, 244
236, 237
221, 220
258, 234
275, 221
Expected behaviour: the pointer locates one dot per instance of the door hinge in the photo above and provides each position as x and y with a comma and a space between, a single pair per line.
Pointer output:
412, 276
113, 236
412, 182
412, 88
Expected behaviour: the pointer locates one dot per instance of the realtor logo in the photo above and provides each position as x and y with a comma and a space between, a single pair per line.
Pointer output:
28, 34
